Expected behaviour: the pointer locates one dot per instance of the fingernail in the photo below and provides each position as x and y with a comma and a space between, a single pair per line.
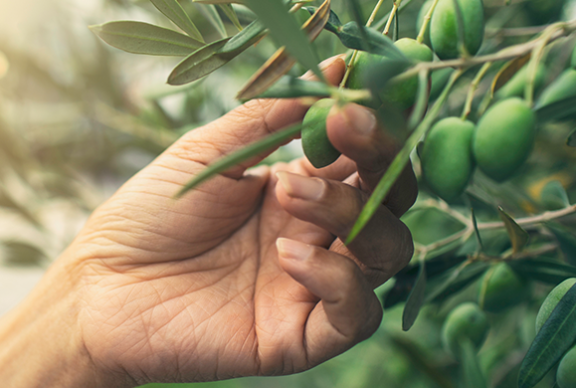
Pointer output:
293, 250
330, 61
298, 186
360, 119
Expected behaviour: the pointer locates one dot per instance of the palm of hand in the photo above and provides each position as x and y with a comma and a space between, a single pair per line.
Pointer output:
208, 293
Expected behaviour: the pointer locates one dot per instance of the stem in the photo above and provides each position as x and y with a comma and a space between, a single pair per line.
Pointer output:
532, 221
350, 65
472, 90
391, 17
426, 22
537, 53
382, 22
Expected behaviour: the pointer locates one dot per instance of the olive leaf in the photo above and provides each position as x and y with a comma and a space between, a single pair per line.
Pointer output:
518, 236
471, 371
566, 241
280, 63
351, 37
543, 270
399, 163
415, 299
508, 71
450, 283
286, 32
21, 253
556, 336
557, 110
231, 14
333, 23
144, 38
215, 55
211, 14
291, 87
356, 11
406, 278
571, 141
219, 1
554, 196
174, 11
476, 230
240, 156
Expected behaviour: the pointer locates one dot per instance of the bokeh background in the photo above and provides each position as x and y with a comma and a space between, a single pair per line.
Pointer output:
78, 118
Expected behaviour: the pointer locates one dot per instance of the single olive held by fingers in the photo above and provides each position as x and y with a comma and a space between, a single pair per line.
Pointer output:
317, 147
447, 162
444, 27
504, 138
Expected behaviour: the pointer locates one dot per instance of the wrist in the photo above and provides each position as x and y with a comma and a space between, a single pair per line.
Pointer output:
41, 342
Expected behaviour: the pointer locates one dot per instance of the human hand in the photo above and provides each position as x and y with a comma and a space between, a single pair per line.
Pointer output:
245, 275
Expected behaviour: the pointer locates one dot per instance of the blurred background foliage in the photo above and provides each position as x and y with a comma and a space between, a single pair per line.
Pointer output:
78, 118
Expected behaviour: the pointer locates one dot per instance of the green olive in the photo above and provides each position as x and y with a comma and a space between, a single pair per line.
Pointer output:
504, 138
502, 289
447, 162
317, 147
444, 27
402, 93
466, 321
563, 87
551, 301
566, 373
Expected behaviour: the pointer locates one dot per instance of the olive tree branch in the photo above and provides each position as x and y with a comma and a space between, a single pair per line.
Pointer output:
473, 86
504, 54
426, 22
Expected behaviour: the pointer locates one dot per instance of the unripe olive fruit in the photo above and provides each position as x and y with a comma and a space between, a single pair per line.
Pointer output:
551, 301
447, 162
439, 80
317, 147
504, 138
515, 86
563, 87
402, 93
502, 289
444, 27
467, 321
566, 373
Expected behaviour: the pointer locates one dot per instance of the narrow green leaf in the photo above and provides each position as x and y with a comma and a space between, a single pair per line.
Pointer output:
240, 156
144, 38
231, 14
508, 71
356, 11
210, 12
566, 241
472, 373
290, 87
415, 299
552, 341
174, 11
333, 24
399, 163
215, 55
571, 141
557, 110
378, 44
476, 231
518, 236
543, 270
286, 32
422, 95
554, 196
19, 253
455, 281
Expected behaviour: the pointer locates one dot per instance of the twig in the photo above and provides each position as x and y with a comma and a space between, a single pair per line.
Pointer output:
532, 221
391, 17
426, 22
472, 89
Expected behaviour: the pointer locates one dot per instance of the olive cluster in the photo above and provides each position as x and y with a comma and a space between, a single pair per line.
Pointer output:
499, 143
